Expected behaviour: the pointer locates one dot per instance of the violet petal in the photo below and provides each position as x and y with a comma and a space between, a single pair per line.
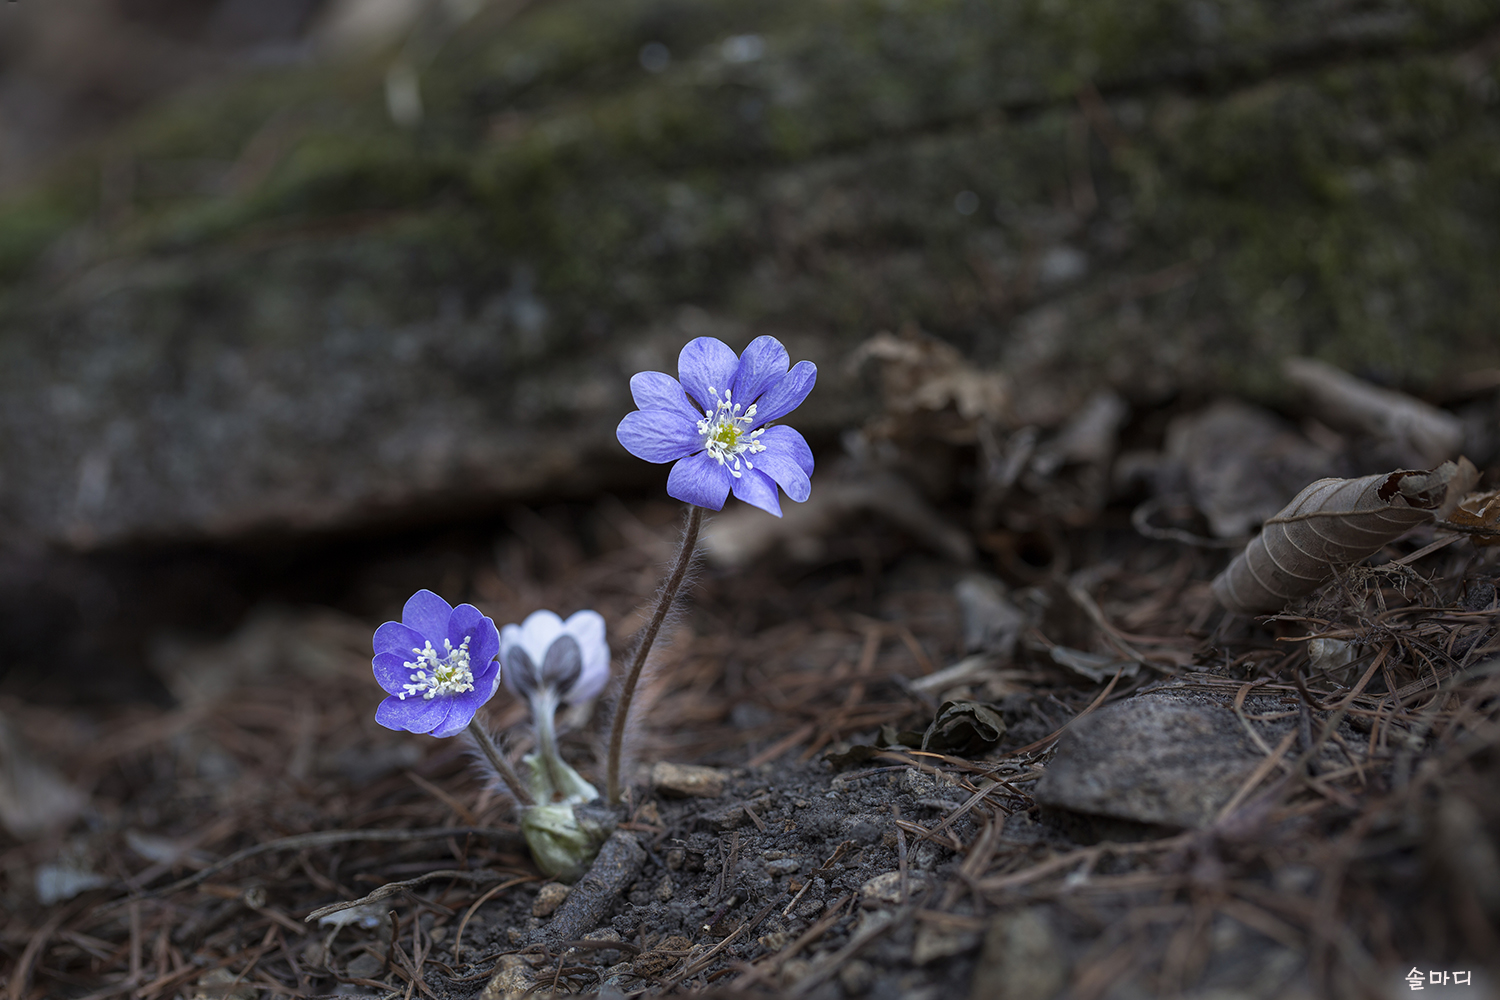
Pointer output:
763, 363
658, 435
705, 363
461, 709
415, 715
391, 671
660, 391
777, 462
756, 488
469, 622
428, 613
394, 637
699, 480
786, 395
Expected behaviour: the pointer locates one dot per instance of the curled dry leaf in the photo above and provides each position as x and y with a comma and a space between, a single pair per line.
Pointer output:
1335, 523
1481, 511
964, 727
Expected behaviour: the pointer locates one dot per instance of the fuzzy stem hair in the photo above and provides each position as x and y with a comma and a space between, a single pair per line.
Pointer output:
486, 744
664, 601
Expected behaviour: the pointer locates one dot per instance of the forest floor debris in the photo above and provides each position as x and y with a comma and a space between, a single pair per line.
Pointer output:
1321, 863
1053, 769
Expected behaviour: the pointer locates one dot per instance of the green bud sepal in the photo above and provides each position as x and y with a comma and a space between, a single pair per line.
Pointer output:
563, 830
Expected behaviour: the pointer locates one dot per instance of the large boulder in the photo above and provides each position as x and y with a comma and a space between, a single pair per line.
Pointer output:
356, 291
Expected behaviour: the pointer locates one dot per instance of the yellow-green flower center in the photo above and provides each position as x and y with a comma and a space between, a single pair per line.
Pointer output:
727, 436
726, 433
434, 674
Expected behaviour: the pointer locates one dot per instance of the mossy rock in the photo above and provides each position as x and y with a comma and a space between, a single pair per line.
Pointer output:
280, 307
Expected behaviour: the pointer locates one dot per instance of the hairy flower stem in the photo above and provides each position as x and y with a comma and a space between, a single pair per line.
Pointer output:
663, 605
499, 763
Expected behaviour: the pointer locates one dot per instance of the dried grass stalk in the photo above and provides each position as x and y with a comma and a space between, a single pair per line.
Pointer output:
1335, 523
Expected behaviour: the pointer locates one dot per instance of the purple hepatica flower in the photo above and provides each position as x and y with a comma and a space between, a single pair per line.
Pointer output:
562, 661
438, 665
713, 424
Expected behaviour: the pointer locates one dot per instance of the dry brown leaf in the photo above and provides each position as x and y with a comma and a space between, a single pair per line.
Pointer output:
740, 536
1335, 523
921, 372
1237, 462
1481, 510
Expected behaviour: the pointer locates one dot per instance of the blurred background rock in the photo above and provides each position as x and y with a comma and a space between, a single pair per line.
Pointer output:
292, 288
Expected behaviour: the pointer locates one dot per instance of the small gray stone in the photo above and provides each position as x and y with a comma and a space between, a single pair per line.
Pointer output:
602, 956
809, 908
365, 966
856, 977
548, 898
616, 978
887, 888
687, 780
938, 940
1172, 759
783, 866
1021, 960
514, 979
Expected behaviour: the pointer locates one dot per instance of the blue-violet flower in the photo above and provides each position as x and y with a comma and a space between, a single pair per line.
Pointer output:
438, 664
715, 424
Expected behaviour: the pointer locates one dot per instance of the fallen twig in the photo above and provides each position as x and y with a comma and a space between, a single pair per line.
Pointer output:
392, 888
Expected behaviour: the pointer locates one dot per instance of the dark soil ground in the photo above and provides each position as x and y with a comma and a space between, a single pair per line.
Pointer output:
264, 791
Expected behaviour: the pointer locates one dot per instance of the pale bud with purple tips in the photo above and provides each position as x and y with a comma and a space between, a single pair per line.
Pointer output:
551, 662
569, 659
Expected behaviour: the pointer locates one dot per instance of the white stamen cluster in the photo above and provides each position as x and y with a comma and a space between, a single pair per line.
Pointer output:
726, 434
433, 675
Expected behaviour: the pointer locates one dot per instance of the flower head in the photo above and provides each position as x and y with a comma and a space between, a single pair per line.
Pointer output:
566, 660
715, 424
437, 664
